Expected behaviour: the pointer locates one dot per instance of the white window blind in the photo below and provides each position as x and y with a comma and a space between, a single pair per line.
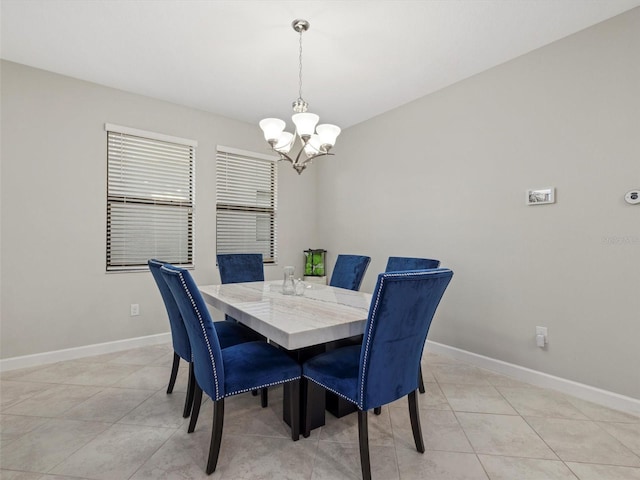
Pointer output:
246, 203
150, 198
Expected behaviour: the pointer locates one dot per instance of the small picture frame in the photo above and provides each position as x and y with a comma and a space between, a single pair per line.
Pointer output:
541, 196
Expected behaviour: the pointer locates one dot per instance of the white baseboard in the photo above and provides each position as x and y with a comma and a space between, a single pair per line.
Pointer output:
540, 379
44, 358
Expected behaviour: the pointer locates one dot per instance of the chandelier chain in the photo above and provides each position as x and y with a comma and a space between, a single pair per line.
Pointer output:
300, 69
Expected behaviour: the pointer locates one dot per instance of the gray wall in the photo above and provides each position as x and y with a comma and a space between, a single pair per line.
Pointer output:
55, 292
445, 177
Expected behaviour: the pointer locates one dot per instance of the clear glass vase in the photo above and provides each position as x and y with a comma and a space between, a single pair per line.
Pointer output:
288, 284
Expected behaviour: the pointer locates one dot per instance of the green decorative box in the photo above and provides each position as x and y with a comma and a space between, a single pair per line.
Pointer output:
314, 262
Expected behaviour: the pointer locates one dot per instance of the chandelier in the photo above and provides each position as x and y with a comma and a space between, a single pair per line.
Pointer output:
316, 140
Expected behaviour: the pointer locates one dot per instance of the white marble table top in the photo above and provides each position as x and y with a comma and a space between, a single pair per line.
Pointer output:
323, 314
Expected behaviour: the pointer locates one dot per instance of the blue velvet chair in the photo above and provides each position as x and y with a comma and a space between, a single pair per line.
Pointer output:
349, 271
240, 268
221, 373
228, 334
385, 367
397, 264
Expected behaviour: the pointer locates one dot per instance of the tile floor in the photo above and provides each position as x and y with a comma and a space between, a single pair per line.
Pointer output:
108, 417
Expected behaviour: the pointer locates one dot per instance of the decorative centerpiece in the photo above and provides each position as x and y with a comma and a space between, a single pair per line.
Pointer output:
314, 263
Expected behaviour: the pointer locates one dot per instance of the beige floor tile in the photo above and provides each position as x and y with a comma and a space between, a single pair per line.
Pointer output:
341, 461
101, 374
265, 458
587, 471
434, 465
54, 401
144, 356
540, 402
76, 372
103, 358
582, 441
476, 398
627, 433
60, 372
49, 444
498, 380
432, 398
14, 392
183, 456
159, 410
13, 475
61, 477
345, 429
18, 373
114, 454
440, 431
503, 435
601, 413
244, 415
460, 374
150, 378
13, 427
515, 468
109, 405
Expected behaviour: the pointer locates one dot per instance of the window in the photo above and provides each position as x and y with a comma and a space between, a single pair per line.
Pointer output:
246, 203
150, 198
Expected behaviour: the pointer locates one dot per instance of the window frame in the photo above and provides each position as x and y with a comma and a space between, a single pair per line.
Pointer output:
231, 198
139, 200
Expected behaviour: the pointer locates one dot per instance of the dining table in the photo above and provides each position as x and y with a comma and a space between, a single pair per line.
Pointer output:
321, 318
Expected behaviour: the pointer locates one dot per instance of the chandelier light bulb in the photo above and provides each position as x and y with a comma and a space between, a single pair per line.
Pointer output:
313, 146
328, 134
305, 123
285, 142
272, 128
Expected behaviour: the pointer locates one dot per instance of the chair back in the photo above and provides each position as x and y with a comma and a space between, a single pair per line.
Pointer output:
402, 307
241, 267
349, 271
207, 355
399, 264
179, 336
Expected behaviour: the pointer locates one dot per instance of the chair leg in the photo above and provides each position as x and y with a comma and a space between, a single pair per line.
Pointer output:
295, 409
377, 410
415, 421
305, 415
363, 436
174, 372
197, 401
188, 401
420, 381
264, 397
216, 435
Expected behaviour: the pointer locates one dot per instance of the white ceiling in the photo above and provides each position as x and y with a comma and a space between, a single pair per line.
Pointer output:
240, 58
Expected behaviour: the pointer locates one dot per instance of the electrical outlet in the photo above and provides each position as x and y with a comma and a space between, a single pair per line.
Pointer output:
135, 309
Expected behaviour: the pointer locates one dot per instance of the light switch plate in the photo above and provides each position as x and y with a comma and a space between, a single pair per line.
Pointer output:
541, 196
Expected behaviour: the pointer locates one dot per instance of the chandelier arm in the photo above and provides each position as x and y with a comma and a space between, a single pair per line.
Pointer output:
325, 154
284, 156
